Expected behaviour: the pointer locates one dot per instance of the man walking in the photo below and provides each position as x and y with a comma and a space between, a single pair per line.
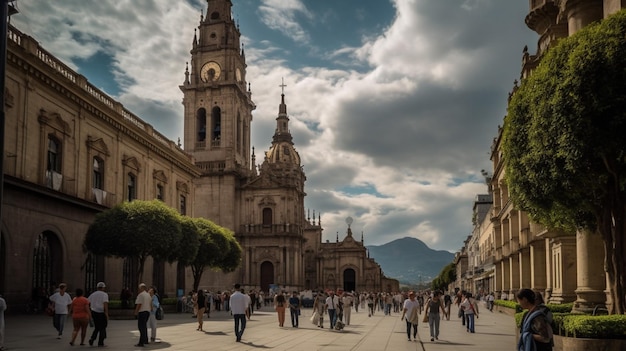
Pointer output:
99, 302
62, 302
332, 302
238, 306
143, 306
294, 308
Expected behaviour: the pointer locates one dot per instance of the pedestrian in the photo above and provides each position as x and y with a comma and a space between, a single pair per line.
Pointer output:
347, 301
238, 305
332, 303
319, 306
279, 305
536, 332
470, 310
3, 307
460, 296
143, 306
490, 299
294, 308
152, 321
370, 304
81, 314
433, 307
62, 302
410, 313
200, 307
447, 302
99, 305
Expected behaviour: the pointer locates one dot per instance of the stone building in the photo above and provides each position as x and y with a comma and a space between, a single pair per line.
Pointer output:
563, 266
71, 152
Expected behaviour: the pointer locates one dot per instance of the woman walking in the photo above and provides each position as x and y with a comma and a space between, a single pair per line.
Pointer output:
81, 314
410, 313
152, 321
279, 306
319, 306
201, 301
470, 309
433, 307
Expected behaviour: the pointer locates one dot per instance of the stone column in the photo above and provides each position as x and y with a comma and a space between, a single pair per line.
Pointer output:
591, 277
563, 269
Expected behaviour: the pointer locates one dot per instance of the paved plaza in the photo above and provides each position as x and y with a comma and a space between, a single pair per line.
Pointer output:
494, 332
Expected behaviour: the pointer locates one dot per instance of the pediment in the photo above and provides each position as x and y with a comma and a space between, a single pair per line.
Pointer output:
98, 145
182, 187
131, 162
159, 175
263, 182
267, 201
55, 121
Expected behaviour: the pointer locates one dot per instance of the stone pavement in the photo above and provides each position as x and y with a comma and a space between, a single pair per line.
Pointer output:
494, 332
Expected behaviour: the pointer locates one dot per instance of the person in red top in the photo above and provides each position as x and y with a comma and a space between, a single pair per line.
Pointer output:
81, 314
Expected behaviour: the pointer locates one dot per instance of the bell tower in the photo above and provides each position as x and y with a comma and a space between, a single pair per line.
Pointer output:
218, 113
217, 101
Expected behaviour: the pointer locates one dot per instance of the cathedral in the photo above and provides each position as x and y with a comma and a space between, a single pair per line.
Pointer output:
71, 151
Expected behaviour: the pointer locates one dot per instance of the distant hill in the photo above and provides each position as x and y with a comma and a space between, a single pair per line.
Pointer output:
408, 259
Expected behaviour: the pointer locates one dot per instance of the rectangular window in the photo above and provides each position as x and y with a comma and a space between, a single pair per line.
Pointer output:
131, 190
159, 191
54, 176
183, 205
98, 177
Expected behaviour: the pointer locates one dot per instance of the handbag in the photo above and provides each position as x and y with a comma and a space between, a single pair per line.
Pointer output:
315, 318
425, 320
50, 309
414, 317
159, 313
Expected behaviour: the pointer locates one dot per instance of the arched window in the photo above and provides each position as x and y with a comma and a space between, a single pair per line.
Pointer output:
215, 15
267, 216
216, 123
201, 124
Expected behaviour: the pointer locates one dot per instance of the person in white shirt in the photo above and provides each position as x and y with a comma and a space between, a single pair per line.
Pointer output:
332, 303
62, 302
410, 313
99, 304
238, 307
348, 301
143, 306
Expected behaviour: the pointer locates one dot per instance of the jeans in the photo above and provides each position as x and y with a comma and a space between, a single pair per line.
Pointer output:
142, 325
59, 322
410, 325
240, 325
433, 323
332, 315
470, 322
294, 312
100, 327
152, 324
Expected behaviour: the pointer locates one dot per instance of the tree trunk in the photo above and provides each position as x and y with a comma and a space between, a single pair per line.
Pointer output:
197, 275
142, 262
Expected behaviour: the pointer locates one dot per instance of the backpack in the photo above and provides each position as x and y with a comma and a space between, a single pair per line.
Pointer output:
159, 314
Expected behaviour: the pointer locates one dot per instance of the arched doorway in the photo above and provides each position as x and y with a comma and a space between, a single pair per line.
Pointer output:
267, 275
349, 280
47, 263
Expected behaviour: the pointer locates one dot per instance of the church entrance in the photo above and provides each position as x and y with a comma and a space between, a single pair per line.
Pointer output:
267, 275
349, 280
47, 263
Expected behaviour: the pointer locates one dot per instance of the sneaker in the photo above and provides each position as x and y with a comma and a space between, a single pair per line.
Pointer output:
432, 339
409, 339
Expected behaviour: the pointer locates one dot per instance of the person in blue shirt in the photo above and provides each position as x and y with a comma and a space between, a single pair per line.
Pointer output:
294, 308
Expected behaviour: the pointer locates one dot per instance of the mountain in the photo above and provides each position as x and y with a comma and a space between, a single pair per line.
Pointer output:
409, 260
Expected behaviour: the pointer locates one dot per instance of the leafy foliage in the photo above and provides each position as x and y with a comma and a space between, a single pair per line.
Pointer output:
563, 140
136, 229
445, 277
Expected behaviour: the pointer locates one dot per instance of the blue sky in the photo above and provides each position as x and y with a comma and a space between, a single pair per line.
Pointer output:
393, 104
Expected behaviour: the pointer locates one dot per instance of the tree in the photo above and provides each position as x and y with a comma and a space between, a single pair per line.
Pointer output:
136, 229
446, 277
563, 141
218, 249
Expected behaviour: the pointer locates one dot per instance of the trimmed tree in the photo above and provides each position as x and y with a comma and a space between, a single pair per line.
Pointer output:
218, 250
136, 229
564, 146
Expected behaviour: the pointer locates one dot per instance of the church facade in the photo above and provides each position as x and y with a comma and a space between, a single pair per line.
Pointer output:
71, 151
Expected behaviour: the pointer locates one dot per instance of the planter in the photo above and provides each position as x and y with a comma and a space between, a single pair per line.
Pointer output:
505, 310
562, 343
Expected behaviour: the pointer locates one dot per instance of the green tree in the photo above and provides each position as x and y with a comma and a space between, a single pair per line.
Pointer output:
563, 141
218, 249
136, 229
446, 277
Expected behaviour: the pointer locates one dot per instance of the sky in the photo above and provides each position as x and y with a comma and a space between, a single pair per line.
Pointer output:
393, 104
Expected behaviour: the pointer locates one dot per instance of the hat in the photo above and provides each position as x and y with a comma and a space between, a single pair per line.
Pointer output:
101, 285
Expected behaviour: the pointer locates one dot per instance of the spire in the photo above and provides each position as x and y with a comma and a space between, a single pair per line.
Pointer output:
282, 121
187, 74
253, 161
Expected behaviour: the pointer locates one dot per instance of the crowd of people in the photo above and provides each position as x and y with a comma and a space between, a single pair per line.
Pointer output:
334, 306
